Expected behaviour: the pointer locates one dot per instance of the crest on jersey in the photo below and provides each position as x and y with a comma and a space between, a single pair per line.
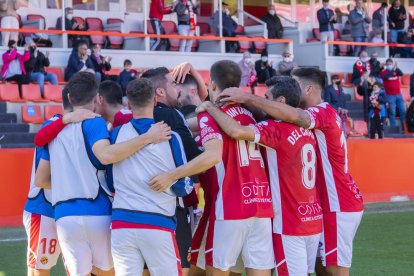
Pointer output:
44, 260
203, 122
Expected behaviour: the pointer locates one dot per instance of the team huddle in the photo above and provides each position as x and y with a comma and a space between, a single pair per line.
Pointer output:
112, 188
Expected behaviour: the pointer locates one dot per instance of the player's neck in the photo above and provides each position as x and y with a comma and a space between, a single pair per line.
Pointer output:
89, 106
143, 112
314, 101
112, 110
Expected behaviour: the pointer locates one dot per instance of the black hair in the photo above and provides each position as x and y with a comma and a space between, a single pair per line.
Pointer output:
389, 59
384, 5
11, 43
225, 74
67, 9
189, 80
270, 82
65, 100
127, 62
82, 42
335, 77
82, 88
156, 76
378, 84
140, 92
310, 75
287, 87
111, 92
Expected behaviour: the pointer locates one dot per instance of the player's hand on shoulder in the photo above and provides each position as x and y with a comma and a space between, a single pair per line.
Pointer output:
234, 95
78, 116
159, 132
203, 107
161, 182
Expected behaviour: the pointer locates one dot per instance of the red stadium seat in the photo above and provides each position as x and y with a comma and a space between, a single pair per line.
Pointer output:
357, 97
114, 71
205, 74
239, 29
244, 45
348, 81
174, 44
115, 42
194, 47
259, 45
28, 27
31, 114
260, 91
95, 24
204, 28
36, 17
10, 93
405, 80
169, 27
405, 91
337, 34
79, 20
341, 76
58, 72
114, 21
53, 93
31, 92
360, 128
316, 34
52, 110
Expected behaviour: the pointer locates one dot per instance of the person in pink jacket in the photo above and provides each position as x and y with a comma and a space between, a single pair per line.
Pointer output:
13, 64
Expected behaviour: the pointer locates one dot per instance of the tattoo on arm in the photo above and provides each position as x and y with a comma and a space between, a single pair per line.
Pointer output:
304, 119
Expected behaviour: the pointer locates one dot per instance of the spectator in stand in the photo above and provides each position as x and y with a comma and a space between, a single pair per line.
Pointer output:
377, 111
379, 18
79, 61
396, 17
326, 19
391, 76
71, 25
127, 75
347, 26
186, 13
229, 26
340, 15
287, 64
38, 61
249, 75
377, 37
364, 89
335, 96
9, 19
157, 11
100, 63
264, 68
273, 23
13, 64
360, 21
407, 38
361, 67
376, 67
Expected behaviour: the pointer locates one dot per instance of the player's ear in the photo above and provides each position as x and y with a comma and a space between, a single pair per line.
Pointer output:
160, 92
281, 99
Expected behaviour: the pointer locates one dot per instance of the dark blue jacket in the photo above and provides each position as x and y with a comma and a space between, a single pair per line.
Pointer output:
75, 64
323, 19
331, 97
125, 77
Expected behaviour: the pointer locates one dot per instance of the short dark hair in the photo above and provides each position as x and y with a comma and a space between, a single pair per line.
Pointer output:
189, 80
287, 87
82, 88
82, 42
310, 75
127, 62
270, 82
325, 1
67, 9
378, 84
389, 60
111, 92
156, 76
225, 74
65, 100
11, 43
384, 5
335, 77
140, 92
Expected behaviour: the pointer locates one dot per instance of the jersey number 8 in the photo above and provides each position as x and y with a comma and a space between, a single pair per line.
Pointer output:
308, 162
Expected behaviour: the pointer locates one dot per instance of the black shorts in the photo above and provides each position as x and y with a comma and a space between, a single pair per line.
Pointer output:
183, 235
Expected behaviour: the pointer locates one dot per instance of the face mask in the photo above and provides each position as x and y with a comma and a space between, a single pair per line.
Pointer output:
264, 59
247, 60
69, 16
272, 12
286, 59
388, 67
338, 82
227, 12
364, 59
325, 8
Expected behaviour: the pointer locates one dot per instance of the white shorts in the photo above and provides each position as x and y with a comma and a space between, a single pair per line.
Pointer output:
295, 255
157, 247
339, 229
251, 238
43, 247
85, 243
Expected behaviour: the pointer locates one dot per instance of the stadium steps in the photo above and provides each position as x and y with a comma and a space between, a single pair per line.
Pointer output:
16, 138
19, 145
10, 118
3, 107
16, 128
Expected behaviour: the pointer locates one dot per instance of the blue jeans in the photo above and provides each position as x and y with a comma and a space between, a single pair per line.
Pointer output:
396, 101
394, 35
358, 49
40, 78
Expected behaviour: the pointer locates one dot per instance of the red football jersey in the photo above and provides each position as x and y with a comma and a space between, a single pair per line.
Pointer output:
291, 159
241, 189
122, 117
337, 190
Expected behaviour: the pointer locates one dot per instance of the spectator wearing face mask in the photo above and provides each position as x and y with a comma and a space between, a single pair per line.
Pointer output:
287, 64
391, 76
264, 68
377, 111
361, 67
273, 23
79, 60
229, 26
376, 66
326, 19
70, 25
360, 21
249, 75
100, 63
13, 64
35, 68
335, 96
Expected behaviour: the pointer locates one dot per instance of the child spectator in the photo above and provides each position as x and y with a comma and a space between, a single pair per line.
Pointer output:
127, 75
377, 111
377, 38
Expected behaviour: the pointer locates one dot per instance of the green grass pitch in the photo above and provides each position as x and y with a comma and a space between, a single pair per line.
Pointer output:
384, 244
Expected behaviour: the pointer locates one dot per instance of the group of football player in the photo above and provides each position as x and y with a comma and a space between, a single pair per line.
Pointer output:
113, 190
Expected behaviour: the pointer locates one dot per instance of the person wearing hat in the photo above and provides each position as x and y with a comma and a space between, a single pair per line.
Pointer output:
326, 19
264, 68
229, 26
287, 64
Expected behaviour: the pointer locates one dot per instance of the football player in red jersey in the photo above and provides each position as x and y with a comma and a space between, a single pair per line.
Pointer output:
340, 198
241, 202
